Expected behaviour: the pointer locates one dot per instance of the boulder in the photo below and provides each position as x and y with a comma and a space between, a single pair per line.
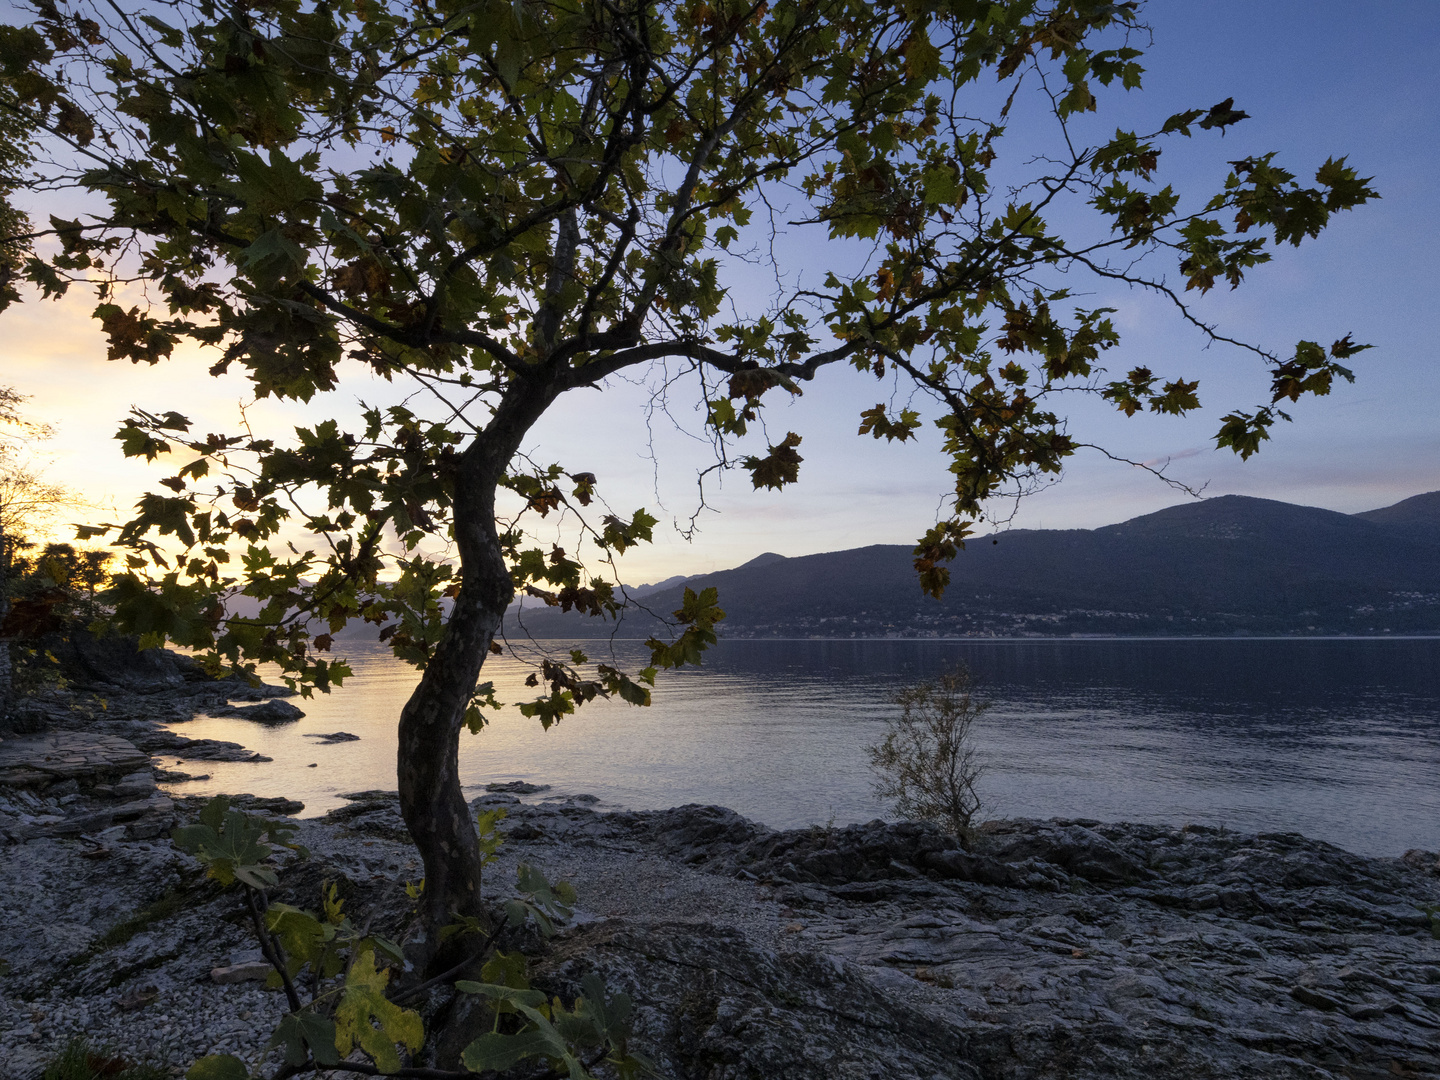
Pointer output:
267, 712
115, 662
266, 804
236, 973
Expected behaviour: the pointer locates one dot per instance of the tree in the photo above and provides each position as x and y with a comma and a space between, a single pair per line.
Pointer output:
926, 766
26, 500
504, 203
15, 147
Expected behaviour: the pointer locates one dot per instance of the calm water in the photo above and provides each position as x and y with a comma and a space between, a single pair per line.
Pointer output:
1339, 739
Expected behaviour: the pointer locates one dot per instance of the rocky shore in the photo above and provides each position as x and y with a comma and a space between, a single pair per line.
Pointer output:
1052, 949
880, 950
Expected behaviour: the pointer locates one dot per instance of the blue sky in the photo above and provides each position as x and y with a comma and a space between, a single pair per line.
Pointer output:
1318, 79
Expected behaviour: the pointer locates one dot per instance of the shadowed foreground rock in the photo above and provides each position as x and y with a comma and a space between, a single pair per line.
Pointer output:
1054, 949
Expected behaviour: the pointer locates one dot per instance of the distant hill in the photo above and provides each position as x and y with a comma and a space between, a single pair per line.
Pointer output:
1219, 566
1418, 514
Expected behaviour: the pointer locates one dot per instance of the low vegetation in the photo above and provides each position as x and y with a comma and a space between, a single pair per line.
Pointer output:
82, 1061
337, 977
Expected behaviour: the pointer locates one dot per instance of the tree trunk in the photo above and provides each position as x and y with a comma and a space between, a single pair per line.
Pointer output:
427, 764
427, 761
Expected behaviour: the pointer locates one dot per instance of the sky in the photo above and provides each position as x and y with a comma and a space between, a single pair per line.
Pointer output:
1318, 79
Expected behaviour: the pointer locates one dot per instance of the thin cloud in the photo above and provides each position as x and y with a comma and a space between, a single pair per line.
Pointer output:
1159, 462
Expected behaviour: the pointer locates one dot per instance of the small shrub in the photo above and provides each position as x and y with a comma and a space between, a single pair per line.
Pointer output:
81, 1061
926, 764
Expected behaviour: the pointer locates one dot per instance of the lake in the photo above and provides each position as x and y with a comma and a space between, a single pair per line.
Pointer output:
1335, 738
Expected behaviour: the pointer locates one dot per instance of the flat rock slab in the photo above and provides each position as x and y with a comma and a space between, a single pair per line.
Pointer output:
267, 712
142, 819
168, 742
42, 760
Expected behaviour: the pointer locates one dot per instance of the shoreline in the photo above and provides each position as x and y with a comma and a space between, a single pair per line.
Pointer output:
153, 705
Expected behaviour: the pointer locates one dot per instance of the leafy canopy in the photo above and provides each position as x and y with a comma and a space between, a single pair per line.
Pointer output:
497, 203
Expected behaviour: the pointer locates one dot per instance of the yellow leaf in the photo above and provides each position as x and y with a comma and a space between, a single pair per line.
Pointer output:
364, 1006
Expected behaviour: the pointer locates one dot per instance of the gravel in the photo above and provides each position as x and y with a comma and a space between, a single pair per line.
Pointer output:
151, 997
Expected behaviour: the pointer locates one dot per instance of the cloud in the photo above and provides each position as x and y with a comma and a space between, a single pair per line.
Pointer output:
1161, 462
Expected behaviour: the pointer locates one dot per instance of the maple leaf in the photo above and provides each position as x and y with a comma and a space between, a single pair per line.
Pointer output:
750, 382
363, 277
779, 467
133, 336
1223, 115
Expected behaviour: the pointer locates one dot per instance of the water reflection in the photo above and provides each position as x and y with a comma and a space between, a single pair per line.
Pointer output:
1338, 739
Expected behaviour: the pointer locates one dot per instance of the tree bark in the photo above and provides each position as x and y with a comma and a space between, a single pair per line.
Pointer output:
427, 764
427, 760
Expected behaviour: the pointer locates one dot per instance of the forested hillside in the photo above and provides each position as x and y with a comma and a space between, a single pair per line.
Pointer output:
1220, 566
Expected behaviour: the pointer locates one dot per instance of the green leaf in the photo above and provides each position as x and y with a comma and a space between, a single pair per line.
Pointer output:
277, 186
487, 829
509, 994
779, 467
229, 843
169, 35
271, 256
306, 1034
940, 185
699, 613
506, 969
390, 948
20, 47
497, 1052
610, 1014
137, 442
540, 900
877, 422
922, 58
302, 935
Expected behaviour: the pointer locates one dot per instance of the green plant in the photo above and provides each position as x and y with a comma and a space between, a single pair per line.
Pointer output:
926, 765
79, 1060
1433, 910
337, 978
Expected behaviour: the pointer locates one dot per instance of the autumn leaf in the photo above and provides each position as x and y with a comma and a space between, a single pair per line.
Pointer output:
779, 467
366, 1018
1223, 115
363, 277
877, 422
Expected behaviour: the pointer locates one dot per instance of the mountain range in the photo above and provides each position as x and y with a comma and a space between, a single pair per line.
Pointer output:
1223, 566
